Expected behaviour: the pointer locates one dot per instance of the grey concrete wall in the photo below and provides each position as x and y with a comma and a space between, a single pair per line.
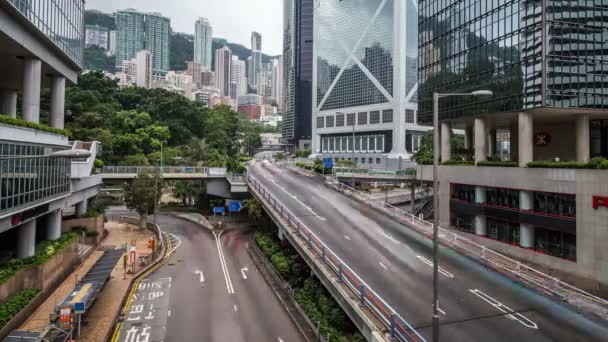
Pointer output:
562, 145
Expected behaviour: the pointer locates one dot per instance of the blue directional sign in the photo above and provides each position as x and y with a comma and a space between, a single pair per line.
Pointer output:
79, 308
328, 163
234, 206
219, 210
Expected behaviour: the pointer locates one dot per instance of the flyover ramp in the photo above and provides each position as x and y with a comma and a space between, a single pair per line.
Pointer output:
477, 304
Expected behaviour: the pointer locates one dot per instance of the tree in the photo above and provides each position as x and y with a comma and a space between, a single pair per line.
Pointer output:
425, 151
254, 209
143, 193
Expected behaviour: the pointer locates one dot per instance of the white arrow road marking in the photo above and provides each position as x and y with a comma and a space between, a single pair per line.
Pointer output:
202, 276
236, 308
243, 272
347, 237
383, 266
441, 311
280, 340
430, 263
505, 309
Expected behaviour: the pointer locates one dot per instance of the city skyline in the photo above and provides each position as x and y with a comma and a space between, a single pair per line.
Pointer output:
233, 20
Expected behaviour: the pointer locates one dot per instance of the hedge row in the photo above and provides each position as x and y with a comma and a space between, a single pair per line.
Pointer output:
15, 304
498, 163
44, 251
595, 163
5, 119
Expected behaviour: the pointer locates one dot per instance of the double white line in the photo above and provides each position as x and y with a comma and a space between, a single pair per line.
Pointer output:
223, 263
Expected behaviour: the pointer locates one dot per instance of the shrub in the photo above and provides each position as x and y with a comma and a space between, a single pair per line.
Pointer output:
498, 163
15, 304
281, 263
595, 163
559, 165
604, 165
266, 244
98, 164
5, 119
425, 161
304, 153
91, 213
457, 162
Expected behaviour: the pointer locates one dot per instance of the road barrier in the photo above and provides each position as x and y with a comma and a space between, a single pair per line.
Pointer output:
398, 328
567, 292
135, 170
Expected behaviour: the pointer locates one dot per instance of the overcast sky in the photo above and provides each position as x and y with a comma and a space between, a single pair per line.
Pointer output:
231, 19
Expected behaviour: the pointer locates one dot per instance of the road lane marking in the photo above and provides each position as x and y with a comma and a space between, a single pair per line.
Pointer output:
220, 252
390, 237
243, 272
347, 237
280, 340
169, 313
202, 276
383, 266
236, 308
430, 263
296, 199
523, 320
176, 245
441, 311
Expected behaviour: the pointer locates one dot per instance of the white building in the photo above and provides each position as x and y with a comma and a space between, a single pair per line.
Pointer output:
277, 83
194, 69
143, 61
271, 120
179, 82
112, 43
361, 78
238, 75
129, 71
223, 63
203, 36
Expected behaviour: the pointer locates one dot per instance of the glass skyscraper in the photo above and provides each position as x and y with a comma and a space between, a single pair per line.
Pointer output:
203, 35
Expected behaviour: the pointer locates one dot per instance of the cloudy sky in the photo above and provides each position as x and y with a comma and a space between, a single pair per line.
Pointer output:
231, 19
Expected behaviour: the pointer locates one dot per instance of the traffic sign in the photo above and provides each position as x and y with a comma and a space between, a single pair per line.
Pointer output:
219, 210
234, 206
328, 163
79, 308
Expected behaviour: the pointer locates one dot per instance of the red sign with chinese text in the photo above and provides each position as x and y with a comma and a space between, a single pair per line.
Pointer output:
599, 201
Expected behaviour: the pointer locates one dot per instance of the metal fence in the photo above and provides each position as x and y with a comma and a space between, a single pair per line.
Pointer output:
397, 326
129, 170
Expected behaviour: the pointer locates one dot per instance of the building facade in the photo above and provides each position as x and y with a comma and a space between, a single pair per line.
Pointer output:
194, 70
238, 76
250, 105
38, 177
97, 36
297, 73
203, 36
277, 93
365, 81
138, 31
223, 64
143, 65
549, 105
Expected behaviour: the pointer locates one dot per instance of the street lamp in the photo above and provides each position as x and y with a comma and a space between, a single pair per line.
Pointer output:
436, 147
160, 172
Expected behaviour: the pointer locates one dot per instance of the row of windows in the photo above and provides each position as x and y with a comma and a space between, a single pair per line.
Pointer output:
14, 150
373, 117
363, 143
26, 180
547, 203
362, 160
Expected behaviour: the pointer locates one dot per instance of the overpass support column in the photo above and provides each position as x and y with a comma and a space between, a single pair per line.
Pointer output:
54, 226
56, 116
526, 231
8, 102
413, 198
81, 208
26, 239
480, 220
30, 102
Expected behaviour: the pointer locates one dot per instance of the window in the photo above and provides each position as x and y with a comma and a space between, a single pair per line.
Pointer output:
409, 115
340, 120
372, 143
371, 160
463, 192
555, 204
502, 197
320, 122
387, 116
465, 223
350, 119
331, 144
555, 243
503, 231
374, 117
324, 145
380, 143
362, 118
329, 121
364, 141
357, 143
378, 161
362, 160
350, 145
344, 144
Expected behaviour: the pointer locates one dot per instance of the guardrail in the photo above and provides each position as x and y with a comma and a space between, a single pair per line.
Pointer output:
397, 326
209, 171
236, 177
569, 293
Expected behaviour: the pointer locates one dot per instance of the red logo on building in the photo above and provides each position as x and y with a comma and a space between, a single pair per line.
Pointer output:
599, 201
542, 139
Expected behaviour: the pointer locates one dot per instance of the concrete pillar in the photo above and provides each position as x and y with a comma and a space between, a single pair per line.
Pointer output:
468, 137
526, 231
480, 225
446, 141
53, 231
57, 113
526, 138
583, 151
26, 240
514, 142
492, 142
81, 208
8, 102
526, 200
480, 195
413, 198
481, 146
30, 103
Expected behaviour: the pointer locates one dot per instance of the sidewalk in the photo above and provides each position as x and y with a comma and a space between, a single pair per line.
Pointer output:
99, 319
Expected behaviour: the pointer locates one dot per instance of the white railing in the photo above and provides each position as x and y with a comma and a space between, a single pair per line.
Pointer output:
173, 170
397, 326
573, 295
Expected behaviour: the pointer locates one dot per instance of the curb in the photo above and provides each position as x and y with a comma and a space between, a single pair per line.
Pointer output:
113, 334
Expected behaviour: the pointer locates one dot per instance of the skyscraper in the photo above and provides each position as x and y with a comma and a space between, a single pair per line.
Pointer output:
203, 36
143, 60
256, 41
370, 86
255, 64
238, 75
277, 83
138, 31
223, 64
297, 72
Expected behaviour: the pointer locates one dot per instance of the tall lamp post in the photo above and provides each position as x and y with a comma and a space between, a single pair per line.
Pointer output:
160, 172
436, 147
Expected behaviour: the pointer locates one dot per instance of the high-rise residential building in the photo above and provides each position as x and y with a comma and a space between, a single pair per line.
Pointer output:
239, 76
40, 176
143, 62
129, 69
223, 63
549, 104
277, 83
203, 36
207, 78
256, 41
254, 69
112, 43
97, 36
368, 62
194, 70
180, 83
265, 82
297, 72
138, 31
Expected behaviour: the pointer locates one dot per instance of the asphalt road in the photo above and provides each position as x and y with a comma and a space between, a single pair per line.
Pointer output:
476, 303
198, 295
